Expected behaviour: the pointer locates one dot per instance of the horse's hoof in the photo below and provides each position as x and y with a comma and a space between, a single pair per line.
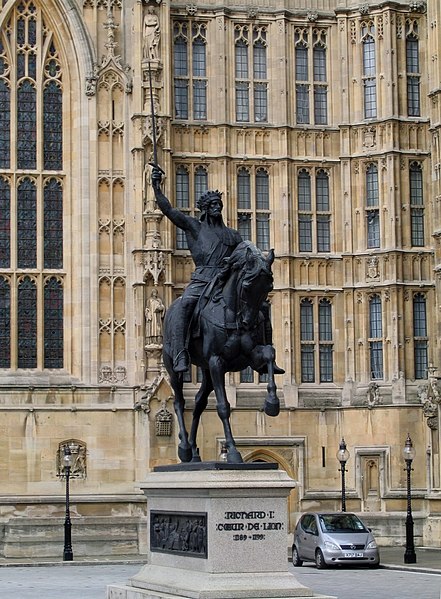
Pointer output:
271, 408
185, 454
196, 458
234, 457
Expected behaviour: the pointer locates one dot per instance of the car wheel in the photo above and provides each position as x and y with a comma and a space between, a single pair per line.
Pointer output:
319, 560
296, 561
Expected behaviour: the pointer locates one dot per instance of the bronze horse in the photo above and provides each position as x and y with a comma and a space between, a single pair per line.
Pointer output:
228, 335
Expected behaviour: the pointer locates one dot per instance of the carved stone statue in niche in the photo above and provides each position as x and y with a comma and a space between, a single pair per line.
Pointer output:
154, 316
373, 395
151, 32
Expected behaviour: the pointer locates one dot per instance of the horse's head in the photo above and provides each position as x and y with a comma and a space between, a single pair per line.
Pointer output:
254, 281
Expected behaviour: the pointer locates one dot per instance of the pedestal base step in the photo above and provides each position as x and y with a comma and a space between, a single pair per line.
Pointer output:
156, 582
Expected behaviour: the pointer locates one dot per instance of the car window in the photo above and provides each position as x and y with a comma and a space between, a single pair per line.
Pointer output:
305, 522
313, 527
341, 523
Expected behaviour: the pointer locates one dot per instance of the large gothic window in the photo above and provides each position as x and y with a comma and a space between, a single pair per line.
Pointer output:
31, 192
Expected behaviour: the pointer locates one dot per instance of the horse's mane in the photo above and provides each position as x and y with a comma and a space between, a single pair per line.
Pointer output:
240, 253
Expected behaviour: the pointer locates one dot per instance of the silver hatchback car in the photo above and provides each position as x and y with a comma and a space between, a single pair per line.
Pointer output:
334, 538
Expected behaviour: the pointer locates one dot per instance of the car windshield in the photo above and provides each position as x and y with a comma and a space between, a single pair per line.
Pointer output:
341, 523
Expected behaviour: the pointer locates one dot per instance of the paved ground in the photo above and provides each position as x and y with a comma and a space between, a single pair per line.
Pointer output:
88, 579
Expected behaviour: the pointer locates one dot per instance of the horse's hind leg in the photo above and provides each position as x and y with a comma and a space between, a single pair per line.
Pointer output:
201, 401
217, 373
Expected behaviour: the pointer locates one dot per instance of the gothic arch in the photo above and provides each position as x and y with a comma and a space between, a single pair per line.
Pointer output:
268, 455
73, 39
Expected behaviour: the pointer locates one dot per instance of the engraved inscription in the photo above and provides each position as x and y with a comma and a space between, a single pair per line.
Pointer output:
246, 524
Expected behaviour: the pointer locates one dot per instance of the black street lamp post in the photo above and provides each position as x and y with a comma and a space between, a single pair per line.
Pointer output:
409, 455
343, 457
67, 553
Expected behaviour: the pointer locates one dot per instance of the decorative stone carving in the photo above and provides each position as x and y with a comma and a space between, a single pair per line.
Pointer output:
312, 16
110, 375
163, 421
79, 452
154, 264
430, 397
191, 9
369, 137
372, 271
91, 81
418, 6
179, 532
373, 395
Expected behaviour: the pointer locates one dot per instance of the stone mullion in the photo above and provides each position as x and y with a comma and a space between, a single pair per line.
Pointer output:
342, 113
356, 77
400, 325
391, 190
382, 69
391, 74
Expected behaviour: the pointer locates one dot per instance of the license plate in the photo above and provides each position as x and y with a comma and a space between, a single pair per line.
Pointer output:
353, 554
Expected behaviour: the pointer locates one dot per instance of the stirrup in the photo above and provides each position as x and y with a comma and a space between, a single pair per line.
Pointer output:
181, 363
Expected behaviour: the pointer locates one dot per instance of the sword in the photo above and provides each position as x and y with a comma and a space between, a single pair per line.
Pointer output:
152, 108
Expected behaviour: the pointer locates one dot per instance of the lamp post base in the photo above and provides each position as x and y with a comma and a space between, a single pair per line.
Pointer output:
67, 556
410, 557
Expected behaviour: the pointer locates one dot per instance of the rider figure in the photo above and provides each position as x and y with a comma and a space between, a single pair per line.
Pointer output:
210, 241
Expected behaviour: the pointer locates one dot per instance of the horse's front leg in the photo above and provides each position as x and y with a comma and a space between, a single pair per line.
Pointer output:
217, 372
267, 354
201, 401
184, 447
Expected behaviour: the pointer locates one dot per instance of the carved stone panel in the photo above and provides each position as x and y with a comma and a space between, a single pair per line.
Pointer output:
183, 533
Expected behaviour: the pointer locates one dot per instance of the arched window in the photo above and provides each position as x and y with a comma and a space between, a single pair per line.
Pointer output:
31, 194
369, 70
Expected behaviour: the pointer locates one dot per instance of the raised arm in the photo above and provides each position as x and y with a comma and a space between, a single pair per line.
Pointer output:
177, 217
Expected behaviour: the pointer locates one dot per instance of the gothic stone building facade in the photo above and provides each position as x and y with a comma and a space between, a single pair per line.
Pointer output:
320, 122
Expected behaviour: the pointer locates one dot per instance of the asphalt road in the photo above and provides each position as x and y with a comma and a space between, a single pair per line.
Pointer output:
361, 583
69, 581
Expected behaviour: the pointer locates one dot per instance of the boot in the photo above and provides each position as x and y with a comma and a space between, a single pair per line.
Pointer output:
181, 360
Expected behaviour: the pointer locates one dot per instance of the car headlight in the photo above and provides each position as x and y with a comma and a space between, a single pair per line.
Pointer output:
331, 546
371, 545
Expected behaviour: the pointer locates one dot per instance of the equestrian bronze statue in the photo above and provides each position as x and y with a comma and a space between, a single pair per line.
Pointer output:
221, 322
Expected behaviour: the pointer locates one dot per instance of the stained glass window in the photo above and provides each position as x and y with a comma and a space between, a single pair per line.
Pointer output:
27, 224
53, 127
5, 121
5, 223
5, 323
53, 224
31, 200
53, 324
26, 126
27, 324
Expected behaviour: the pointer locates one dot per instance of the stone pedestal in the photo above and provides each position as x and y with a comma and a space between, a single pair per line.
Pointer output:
215, 534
